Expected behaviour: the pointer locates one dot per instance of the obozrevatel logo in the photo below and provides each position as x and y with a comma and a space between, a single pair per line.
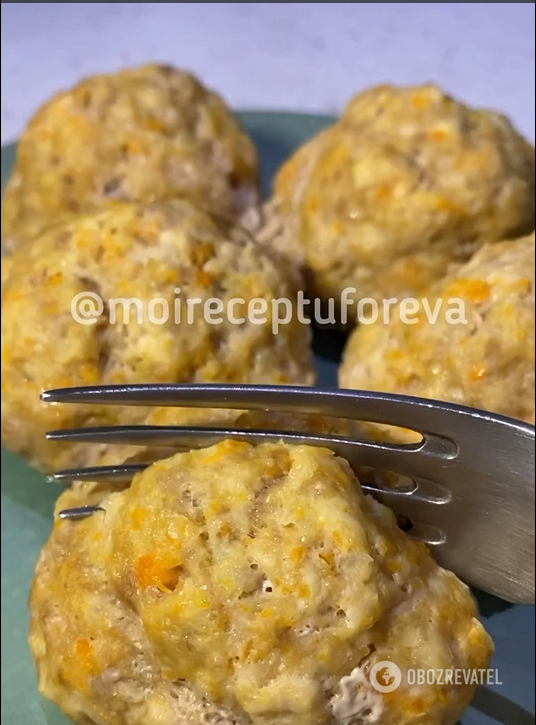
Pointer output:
385, 677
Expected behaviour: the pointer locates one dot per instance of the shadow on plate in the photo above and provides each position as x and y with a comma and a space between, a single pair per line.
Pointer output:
273, 152
488, 605
329, 343
277, 135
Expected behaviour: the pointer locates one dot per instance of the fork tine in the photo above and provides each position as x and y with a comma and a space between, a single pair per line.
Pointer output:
402, 502
425, 534
444, 422
420, 459
96, 474
82, 512
395, 410
125, 473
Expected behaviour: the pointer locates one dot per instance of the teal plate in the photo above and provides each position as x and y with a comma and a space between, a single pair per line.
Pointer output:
27, 505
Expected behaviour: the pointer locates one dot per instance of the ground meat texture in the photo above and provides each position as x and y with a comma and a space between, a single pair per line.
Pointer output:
245, 586
138, 252
141, 134
487, 363
406, 183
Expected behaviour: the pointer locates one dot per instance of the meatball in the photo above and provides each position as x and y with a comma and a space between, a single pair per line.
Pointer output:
142, 134
246, 585
406, 183
141, 267
481, 356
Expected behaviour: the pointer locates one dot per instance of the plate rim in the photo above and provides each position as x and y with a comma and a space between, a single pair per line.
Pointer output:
258, 114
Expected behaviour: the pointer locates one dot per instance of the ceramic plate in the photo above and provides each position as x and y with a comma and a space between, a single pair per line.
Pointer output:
27, 505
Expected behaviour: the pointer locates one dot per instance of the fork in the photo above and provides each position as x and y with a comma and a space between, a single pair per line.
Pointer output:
471, 497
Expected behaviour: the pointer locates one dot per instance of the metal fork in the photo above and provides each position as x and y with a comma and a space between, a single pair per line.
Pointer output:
472, 474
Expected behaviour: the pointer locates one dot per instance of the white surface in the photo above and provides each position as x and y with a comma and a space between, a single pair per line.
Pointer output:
297, 56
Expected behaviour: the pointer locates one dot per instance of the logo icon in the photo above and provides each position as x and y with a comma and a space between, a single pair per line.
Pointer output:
385, 677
